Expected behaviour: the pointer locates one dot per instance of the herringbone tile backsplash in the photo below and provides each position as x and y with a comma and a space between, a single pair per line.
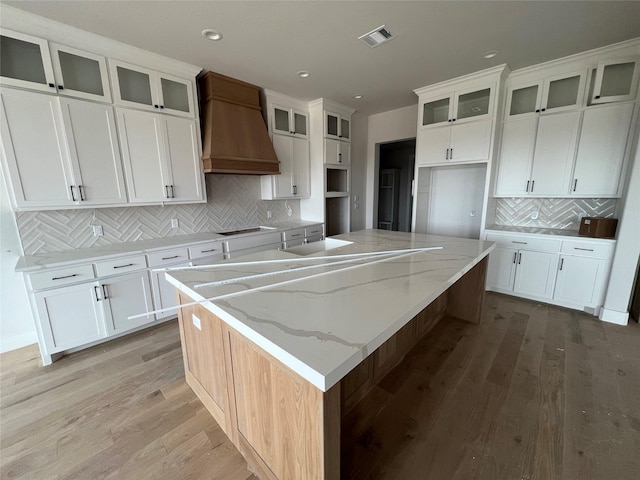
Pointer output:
562, 213
233, 201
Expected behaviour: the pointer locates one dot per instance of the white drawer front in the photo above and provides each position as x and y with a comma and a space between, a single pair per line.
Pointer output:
206, 250
292, 235
313, 231
314, 238
587, 249
243, 243
168, 257
61, 276
293, 243
121, 265
525, 243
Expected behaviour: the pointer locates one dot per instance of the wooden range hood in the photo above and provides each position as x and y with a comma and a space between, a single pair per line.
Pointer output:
234, 135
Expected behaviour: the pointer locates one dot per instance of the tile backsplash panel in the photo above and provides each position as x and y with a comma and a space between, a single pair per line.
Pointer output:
233, 201
564, 213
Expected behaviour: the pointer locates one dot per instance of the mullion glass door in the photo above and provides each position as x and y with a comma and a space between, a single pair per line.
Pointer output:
25, 62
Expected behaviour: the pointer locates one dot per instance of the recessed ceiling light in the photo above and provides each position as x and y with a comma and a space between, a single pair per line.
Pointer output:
357, 97
490, 54
212, 34
303, 74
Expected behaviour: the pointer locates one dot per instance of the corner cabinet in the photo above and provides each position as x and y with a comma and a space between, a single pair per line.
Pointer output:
288, 122
456, 119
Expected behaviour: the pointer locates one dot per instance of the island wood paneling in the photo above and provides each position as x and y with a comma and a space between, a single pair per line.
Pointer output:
466, 296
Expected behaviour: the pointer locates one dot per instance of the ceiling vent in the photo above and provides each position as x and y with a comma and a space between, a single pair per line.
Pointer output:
377, 37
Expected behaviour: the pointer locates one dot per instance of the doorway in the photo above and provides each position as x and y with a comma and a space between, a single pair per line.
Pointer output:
395, 177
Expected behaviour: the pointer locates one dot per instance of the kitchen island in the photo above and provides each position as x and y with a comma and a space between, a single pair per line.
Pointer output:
281, 345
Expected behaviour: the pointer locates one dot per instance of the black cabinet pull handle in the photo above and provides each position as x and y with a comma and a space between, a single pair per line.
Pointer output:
52, 85
521, 243
81, 190
584, 249
575, 184
169, 258
105, 295
60, 87
543, 109
515, 256
210, 250
157, 106
173, 195
166, 191
454, 120
450, 120
538, 110
451, 154
597, 97
73, 195
532, 183
519, 258
95, 291
561, 263
123, 266
527, 189
161, 106
66, 276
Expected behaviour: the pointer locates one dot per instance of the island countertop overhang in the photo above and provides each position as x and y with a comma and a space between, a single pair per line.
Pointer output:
324, 319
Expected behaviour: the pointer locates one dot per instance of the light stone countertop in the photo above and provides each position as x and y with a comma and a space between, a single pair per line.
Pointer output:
323, 321
29, 263
556, 232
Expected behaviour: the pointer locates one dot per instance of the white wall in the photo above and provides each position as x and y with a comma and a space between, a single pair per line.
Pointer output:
391, 126
359, 198
16, 322
627, 254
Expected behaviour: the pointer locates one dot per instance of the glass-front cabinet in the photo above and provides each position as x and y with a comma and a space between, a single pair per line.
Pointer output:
289, 121
459, 106
551, 94
337, 126
138, 87
25, 62
80, 74
615, 81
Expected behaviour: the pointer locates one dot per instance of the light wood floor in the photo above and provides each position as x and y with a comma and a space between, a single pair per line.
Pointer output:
533, 392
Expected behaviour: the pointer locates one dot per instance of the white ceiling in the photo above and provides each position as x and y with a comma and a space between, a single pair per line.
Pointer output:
267, 42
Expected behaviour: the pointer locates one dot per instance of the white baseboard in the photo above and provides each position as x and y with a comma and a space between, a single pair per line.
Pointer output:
17, 341
612, 316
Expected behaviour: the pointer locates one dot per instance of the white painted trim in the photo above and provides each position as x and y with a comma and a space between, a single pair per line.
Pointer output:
489, 74
612, 316
18, 341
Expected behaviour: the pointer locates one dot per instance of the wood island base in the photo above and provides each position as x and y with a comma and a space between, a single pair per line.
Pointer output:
285, 427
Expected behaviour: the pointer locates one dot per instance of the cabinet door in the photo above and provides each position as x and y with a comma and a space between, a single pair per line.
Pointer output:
133, 86
436, 111
345, 129
616, 80
281, 120
563, 92
535, 273
331, 125
301, 168
555, 150
470, 141
125, 296
603, 139
164, 294
183, 159
25, 62
300, 123
143, 155
71, 316
516, 156
473, 104
80, 74
502, 268
580, 280
175, 95
35, 149
523, 100
94, 151
433, 145
283, 183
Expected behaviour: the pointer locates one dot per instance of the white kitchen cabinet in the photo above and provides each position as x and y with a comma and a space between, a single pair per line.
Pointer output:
548, 94
535, 273
580, 279
94, 153
161, 157
164, 294
294, 178
138, 87
516, 157
70, 316
336, 152
467, 104
616, 80
287, 120
123, 296
601, 149
502, 268
26, 62
337, 126
35, 149
458, 143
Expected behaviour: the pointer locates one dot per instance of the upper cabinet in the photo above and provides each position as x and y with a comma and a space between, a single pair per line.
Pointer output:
33, 63
460, 106
550, 94
337, 126
288, 121
615, 81
138, 87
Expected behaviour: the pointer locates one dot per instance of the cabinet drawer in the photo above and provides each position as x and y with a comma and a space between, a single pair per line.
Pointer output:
205, 250
525, 243
121, 265
168, 257
586, 249
296, 242
61, 276
243, 243
291, 235
313, 231
314, 238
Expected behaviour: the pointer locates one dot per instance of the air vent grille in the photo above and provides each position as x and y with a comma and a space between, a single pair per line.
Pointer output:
377, 37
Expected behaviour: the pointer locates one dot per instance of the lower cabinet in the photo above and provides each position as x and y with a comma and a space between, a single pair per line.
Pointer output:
125, 296
164, 294
522, 271
580, 280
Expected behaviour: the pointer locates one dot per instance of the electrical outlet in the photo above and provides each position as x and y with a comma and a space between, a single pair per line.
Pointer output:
269, 214
174, 223
97, 230
534, 215
196, 322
